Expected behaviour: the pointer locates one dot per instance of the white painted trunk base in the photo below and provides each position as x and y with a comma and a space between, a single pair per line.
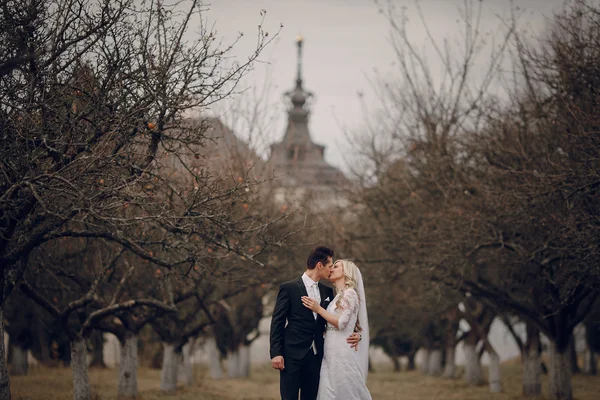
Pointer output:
532, 373
79, 369
590, 364
424, 364
473, 373
434, 362
168, 373
4, 378
238, 363
186, 369
244, 361
128, 387
214, 359
19, 365
494, 376
232, 362
450, 367
560, 374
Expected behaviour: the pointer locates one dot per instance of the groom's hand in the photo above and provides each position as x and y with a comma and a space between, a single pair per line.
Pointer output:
278, 363
353, 340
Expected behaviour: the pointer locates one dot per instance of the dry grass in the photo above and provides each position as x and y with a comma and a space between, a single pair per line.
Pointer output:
55, 384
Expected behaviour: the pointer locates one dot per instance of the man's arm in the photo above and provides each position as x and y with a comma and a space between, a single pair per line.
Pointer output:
280, 314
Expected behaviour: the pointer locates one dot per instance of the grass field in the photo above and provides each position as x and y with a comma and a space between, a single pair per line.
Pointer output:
44, 383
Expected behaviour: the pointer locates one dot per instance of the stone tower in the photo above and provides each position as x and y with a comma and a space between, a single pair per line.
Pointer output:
298, 162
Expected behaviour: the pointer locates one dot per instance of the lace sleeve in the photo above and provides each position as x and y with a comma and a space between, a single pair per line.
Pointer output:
349, 305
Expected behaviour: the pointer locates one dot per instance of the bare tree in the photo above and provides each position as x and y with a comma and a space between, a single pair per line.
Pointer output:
93, 97
78, 301
495, 198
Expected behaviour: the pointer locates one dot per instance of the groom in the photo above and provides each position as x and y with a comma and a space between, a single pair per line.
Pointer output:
297, 348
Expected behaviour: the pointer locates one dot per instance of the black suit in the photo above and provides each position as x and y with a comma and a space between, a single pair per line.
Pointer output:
293, 341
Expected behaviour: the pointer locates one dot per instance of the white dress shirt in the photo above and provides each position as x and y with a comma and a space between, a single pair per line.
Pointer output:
312, 288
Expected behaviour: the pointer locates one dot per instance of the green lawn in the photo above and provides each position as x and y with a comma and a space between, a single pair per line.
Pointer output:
45, 383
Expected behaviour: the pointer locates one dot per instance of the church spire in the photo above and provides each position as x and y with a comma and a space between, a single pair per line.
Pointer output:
297, 130
299, 96
296, 156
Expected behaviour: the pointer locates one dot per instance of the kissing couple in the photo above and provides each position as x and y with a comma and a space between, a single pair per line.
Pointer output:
315, 335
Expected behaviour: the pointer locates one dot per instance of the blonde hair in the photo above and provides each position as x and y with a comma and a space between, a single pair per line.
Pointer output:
350, 282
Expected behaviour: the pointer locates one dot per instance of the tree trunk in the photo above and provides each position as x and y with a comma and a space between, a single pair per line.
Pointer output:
214, 359
4, 379
451, 329
79, 368
450, 367
19, 364
128, 385
590, 363
494, 378
156, 358
43, 355
560, 373
397, 365
424, 365
186, 373
168, 373
411, 366
573, 356
532, 364
244, 361
9, 350
434, 367
97, 342
532, 373
473, 374
233, 363
592, 326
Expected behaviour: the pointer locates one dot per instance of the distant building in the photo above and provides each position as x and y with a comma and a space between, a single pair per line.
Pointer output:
298, 163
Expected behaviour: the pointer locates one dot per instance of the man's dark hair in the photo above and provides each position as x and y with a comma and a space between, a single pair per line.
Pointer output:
318, 255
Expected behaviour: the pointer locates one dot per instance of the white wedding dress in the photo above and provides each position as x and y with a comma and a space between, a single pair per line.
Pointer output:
344, 370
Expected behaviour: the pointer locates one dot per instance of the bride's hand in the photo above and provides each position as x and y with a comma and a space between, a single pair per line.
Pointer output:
310, 303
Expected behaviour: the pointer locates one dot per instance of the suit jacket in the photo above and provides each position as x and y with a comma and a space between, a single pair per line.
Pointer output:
294, 340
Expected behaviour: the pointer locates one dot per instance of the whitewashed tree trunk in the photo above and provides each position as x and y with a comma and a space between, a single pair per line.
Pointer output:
434, 361
186, 370
4, 379
532, 373
233, 364
573, 357
128, 387
590, 363
494, 377
168, 373
560, 374
450, 367
473, 373
244, 361
424, 365
18, 363
79, 369
411, 362
214, 359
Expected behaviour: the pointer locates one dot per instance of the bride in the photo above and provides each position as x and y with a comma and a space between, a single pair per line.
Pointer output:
344, 369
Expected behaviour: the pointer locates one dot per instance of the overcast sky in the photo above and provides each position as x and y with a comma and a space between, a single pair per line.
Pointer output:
345, 40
